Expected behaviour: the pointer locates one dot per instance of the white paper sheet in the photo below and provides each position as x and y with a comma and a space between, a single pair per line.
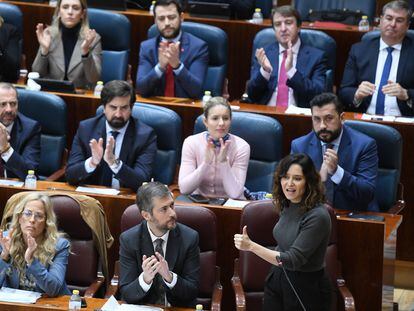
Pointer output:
108, 191
12, 183
298, 110
18, 295
236, 203
374, 117
113, 305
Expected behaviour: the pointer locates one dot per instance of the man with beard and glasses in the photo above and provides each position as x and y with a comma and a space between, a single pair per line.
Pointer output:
19, 137
159, 258
378, 76
347, 159
287, 72
113, 149
174, 63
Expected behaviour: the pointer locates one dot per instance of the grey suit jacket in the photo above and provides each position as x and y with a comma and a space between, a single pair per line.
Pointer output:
84, 72
182, 255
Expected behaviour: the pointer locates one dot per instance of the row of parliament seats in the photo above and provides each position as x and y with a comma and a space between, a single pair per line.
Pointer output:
265, 142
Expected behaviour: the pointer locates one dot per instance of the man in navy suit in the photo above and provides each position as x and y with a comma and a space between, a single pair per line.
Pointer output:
174, 63
366, 84
113, 149
19, 137
347, 159
159, 258
303, 74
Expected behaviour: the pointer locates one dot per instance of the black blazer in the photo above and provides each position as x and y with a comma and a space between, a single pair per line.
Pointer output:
362, 66
137, 154
25, 140
10, 53
182, 255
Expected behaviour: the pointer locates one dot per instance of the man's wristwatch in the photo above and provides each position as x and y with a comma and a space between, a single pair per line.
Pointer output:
116, 164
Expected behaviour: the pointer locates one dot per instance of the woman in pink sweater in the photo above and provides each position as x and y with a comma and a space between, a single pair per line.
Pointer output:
214, 163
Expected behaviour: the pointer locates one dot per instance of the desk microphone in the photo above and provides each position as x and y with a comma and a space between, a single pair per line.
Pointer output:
280, 264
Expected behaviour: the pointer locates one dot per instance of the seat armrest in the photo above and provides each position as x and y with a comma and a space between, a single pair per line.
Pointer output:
112, 288
397, 207
56, 176
238, 288
345, 295
217, 292
94, 287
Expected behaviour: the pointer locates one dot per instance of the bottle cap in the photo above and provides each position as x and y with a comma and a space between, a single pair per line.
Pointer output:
269, 196
153, 2
364, 16
199, 307
75, 292
30, 172
207, 93
258, 10
99, 82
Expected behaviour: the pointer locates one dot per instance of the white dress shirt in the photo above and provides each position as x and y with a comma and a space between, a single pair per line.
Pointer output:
290, 73
146, 287
118, 145
390, 102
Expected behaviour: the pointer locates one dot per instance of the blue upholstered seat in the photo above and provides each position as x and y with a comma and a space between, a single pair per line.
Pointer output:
389, 144
216, 40
264, 135
367, 7
315, 38
51, 112
376, 33
168, 127
115, 31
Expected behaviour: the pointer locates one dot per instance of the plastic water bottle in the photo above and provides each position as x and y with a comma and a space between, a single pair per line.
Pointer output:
199, 307
151, 9
53, 3
75, 302
206, 97
31, 181
363, 24
98, 89
257, 16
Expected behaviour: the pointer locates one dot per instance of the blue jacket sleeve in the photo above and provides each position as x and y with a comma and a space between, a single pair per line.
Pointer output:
52, 279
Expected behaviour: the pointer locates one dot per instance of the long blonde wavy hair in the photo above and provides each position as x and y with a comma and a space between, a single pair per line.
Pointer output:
46, 245
55, 27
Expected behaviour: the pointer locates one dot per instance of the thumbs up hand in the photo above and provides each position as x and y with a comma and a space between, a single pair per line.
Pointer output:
242, 241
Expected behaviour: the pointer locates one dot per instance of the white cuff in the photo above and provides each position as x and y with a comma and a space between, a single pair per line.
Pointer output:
6, 155
173, 282
88, 167
339, 174
145, 287
265, 74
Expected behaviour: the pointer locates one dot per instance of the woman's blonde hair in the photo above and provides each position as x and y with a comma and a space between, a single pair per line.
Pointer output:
46, 245
55, 28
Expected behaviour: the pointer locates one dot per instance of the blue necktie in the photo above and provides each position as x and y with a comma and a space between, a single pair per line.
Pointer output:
379, 109
329, 184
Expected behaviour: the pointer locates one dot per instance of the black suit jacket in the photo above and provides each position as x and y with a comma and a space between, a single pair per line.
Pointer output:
362, 65
137, 154
182, 255
9, 53
25, 140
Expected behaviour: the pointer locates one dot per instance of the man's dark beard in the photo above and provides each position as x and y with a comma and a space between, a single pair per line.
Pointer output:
174, 34
117, 123
334, 135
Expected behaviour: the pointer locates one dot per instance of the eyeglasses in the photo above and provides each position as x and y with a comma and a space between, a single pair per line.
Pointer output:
27, 214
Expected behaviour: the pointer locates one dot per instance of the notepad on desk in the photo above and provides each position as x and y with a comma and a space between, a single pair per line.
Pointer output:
112, 305
298, 110
17, 295
236, 203
11, 183
108, 191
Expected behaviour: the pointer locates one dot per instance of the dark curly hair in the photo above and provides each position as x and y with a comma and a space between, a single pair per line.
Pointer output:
314, 193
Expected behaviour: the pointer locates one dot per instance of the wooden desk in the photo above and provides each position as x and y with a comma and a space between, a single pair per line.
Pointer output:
367, 263
61, 303
240, 34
